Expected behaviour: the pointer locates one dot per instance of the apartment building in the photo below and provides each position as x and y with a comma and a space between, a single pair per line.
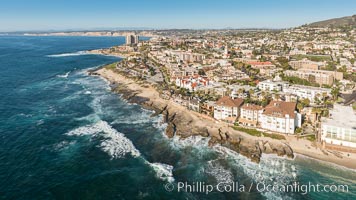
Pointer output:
250, 115
317, 76
227, 109
305, 64
280, 116
269, 85
132, 39
307, 92
339, 131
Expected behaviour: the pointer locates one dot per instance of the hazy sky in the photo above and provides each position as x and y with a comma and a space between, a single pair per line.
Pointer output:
18, 15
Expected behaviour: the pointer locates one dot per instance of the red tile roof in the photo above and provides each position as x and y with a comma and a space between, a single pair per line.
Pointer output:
229, 102
280, 109
249, 106
259, 63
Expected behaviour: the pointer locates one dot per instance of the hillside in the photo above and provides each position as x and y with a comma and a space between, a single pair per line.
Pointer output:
336, 22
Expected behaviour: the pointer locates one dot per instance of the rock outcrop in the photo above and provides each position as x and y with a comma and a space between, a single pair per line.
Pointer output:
182, 124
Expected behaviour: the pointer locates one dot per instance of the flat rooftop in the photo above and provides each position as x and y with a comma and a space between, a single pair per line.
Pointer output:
341, 116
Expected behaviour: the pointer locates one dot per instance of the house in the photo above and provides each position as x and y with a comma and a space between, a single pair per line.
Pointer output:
192, 83
250, 114
227, 109
280, 116
207, 108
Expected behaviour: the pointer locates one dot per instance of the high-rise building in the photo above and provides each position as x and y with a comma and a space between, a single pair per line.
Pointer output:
132, 39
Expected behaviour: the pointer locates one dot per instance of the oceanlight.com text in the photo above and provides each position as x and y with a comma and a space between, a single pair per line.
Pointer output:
295, 187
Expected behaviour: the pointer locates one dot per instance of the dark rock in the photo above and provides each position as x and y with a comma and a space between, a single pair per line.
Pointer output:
170, 130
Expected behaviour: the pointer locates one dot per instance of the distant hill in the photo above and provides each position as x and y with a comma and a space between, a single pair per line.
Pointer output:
336, 22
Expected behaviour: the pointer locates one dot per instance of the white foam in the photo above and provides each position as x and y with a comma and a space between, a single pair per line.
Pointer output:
270, 170
221, 174
64, 75
191, 141
117, 146
163, 171
63, 145
79, 53
142, 118
115, 143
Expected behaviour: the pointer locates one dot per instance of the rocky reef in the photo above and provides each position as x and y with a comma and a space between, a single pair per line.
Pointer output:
182, 124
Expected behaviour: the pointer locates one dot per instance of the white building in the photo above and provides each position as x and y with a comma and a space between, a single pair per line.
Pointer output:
307, 92
269, 85
340, 128
192, 83
250, 115
280, 116
227, 109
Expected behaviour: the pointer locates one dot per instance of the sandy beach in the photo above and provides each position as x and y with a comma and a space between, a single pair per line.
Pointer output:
215, 128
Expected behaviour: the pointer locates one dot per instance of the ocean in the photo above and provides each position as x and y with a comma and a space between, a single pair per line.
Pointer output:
65, 135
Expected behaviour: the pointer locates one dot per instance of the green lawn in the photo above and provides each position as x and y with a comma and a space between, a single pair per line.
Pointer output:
311, 138
257, 133
111, 66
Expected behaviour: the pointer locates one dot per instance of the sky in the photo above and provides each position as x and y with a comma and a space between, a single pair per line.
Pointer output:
42, 15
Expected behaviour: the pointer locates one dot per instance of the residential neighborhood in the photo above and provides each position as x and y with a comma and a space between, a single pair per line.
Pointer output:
288, 82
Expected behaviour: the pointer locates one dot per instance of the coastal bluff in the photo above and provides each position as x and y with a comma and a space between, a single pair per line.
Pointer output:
184, 123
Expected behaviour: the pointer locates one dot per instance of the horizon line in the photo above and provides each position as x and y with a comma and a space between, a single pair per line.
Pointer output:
120, 29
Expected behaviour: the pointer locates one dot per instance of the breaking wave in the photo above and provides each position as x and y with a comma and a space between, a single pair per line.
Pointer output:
114, 143
191, 141
163, 171
79, 53
270, 170
117, 146
221, 174
63, 75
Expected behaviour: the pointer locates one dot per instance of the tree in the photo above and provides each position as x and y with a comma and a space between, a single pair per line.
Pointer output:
300, 107
305, 102
335, 92
201, 72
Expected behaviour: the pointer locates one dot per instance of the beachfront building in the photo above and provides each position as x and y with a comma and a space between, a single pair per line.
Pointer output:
227, 109
250, 115
339, 130
207, 108
280, 116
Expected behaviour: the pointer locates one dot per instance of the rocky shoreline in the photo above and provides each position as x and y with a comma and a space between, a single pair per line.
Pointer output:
184, 123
